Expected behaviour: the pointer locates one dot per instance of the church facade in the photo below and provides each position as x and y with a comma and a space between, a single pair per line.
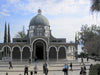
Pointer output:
39, 43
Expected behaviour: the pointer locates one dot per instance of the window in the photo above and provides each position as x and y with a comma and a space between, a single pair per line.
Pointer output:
31, 27
47, 28
46, 33
31, 34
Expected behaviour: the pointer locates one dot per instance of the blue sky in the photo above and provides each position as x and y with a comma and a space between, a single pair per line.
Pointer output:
65, 16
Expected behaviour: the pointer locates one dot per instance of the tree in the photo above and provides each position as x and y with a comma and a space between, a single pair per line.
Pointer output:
9, 34
95, 6
90, 38
93, 46
20, 34
5, 34
87, 33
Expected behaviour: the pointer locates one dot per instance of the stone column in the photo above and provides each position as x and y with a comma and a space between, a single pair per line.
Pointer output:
11, 56
47, 56
57, 55
0, 55
66, 55
31, 55
21, 56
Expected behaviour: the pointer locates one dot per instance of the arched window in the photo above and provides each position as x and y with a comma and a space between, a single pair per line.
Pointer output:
52, 53
16, 53
26, 53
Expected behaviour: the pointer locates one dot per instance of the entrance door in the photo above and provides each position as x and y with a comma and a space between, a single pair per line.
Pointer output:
39, 50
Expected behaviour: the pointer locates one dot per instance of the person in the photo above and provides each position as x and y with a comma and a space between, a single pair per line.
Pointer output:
10, 65
65, 69
82, 72
35, 70
84, 67
95, 58
87, 58
82, 60
29, 60
44, 67
71, 66
99, 70
35, 58
26, 70
31, 73
46, 71
6, 73
91, 66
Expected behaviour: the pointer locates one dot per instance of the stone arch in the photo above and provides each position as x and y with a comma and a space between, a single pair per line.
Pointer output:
16, 53
42, 40
39, 47
6, 46
6, 51
52, 52
71, 50
26, 46
62, 52
26, 52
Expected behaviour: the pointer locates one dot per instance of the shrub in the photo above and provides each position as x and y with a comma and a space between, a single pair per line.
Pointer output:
94, 69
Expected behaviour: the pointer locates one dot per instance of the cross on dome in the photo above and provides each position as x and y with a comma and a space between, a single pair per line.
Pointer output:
39, 11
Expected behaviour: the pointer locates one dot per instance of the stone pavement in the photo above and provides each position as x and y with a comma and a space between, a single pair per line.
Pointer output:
55, 68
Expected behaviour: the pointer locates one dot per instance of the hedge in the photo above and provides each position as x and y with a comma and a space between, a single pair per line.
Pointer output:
94, 69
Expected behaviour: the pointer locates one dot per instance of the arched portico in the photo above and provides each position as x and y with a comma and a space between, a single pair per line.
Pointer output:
62, 52
39, 47
6, 51
52, 52
71, 51
26, 52
16, 53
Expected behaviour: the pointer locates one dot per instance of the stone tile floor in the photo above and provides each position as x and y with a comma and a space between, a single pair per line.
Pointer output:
55, 68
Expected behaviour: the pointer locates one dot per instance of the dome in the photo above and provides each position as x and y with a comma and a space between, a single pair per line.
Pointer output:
39, 19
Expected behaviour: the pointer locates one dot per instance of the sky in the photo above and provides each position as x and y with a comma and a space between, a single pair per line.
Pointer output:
65, 16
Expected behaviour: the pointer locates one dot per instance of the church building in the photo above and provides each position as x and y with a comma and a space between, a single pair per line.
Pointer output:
39, 42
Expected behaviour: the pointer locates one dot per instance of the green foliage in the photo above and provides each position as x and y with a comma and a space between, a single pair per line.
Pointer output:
9, 34
90, 38
82, 54
95, 5
88, 33
5, 34
94, 69
21, 34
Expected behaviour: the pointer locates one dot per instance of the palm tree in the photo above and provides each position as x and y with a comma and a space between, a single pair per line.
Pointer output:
20, 34
95, 5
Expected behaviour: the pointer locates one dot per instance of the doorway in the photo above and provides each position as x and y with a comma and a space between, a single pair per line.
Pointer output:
39, 50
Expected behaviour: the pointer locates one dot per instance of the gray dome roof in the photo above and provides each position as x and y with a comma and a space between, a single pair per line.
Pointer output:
39, 19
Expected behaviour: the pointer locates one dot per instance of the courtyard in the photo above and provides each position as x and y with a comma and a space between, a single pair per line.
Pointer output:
54, 67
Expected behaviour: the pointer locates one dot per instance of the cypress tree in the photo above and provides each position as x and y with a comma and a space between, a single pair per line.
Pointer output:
9, 34
5, 34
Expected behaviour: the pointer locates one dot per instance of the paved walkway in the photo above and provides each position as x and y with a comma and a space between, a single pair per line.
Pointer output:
55, 68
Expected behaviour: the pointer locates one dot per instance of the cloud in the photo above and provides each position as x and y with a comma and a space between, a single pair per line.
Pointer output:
4, 14
12, 1
84, 2
51, 7
74, 14
67, 27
